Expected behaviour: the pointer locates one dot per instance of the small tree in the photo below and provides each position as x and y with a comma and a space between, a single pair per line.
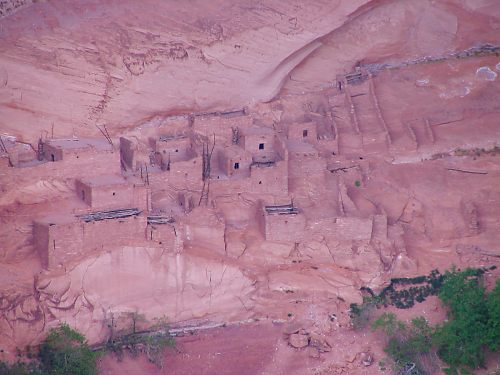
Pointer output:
408, 345
462, 340
493, 304
65, 351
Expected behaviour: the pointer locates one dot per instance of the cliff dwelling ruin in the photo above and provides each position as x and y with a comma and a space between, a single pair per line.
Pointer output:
249, 165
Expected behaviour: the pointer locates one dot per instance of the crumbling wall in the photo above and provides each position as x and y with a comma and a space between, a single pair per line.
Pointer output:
203, 228
127, 151
65, 241
84, 192
344, 228
269, 179
182, 175
126, 231
164, 235
302, 165
92, 165
173, 150
220, 125
57, 243
287, 228
303, 131
280, 148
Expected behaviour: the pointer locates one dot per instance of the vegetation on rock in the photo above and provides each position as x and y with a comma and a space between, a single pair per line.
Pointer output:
472, 328
65, 351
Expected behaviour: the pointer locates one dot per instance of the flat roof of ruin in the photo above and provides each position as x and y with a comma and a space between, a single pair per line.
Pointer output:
258, 130
304, 120
74, 144
56, 219
104, 180
172, 137
235, 150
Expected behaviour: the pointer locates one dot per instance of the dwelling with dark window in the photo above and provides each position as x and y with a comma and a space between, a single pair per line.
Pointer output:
112, 192
71, 149
234, 161
260, 143
305, 131
173, 148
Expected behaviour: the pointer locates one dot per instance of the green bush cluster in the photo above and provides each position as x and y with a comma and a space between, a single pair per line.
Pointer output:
63, 352
405, 298
408, 345
66, 352
472, 328
151, 343
474, 321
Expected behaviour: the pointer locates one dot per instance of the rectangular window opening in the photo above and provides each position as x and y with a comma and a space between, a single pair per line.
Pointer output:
261, 146
236, 165
304, 133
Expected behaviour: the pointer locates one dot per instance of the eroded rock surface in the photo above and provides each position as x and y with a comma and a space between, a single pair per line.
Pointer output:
214, 163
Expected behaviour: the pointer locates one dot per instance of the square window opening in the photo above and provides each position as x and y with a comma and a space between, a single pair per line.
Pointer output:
261, 146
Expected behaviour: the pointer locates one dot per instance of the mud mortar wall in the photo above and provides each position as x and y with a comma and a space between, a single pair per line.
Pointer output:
303, 131
344, 228
93, 164
106, 197
174, 150
270, 180
287, 228
67, 242
220, 126
182, 175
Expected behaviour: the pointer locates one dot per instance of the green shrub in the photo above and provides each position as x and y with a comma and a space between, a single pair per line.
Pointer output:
473, 324
407, 346
65, 351
19, 368
493, 303
473, 321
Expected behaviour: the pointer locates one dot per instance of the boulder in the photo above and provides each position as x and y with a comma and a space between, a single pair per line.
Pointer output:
298, 341
320, 342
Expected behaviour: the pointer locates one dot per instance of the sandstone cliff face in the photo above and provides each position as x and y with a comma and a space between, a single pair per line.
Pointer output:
398, 174
74, 65
67, 66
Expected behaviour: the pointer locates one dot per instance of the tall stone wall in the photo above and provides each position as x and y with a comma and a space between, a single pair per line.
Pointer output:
271, 180
287, 228
344, 228
59, 243
90, 166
